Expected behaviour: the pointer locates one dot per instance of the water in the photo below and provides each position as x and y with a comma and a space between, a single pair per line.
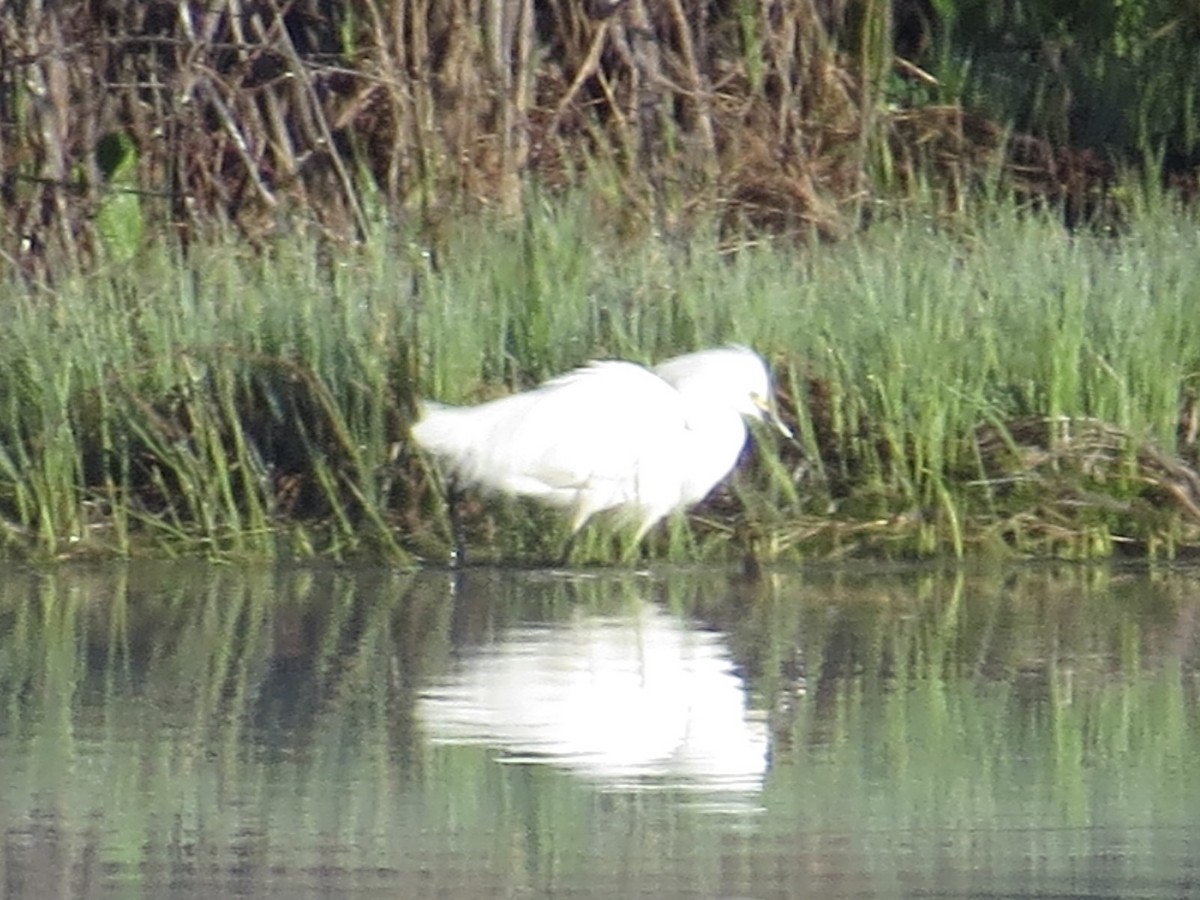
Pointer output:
194, 731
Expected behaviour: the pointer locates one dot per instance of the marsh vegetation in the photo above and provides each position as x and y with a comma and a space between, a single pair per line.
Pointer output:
1016, 388
240, 242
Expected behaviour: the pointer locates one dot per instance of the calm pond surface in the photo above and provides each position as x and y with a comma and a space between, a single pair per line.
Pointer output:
202, 731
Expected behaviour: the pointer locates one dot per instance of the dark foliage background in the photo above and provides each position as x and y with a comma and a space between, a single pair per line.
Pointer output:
122, 118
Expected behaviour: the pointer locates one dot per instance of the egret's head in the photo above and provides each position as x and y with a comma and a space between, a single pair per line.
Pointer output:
765, 410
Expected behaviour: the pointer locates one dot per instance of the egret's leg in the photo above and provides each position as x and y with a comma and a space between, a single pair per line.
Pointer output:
454, 494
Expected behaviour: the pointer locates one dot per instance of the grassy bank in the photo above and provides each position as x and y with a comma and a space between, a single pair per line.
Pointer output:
1003, 387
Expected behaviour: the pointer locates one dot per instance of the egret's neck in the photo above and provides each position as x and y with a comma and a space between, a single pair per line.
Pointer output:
715, 440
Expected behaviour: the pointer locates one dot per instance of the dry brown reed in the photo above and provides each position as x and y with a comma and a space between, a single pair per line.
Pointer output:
262, 115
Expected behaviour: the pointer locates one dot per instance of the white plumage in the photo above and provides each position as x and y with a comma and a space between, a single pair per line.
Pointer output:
610, 435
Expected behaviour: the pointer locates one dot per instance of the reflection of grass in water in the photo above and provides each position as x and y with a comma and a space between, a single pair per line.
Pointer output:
150, 700
948, 776
1015, 725
261, 718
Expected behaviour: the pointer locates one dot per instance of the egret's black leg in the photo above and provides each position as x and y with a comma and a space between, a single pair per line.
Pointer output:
750, 541
454, 495
751, 567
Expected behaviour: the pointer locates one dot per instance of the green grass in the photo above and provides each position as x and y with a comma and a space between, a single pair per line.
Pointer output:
255, 403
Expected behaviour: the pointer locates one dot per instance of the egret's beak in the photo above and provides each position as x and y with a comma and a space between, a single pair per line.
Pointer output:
769, 414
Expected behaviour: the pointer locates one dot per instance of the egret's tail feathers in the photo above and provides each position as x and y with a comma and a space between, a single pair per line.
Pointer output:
470, 441
451, 434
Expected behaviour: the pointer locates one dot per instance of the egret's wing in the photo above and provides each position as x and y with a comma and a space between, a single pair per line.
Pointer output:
580, 440
592, 425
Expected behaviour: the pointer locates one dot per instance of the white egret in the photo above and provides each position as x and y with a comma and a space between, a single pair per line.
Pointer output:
611, 435
639, 699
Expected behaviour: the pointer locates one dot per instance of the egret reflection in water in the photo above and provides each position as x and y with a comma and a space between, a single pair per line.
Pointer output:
627, 702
